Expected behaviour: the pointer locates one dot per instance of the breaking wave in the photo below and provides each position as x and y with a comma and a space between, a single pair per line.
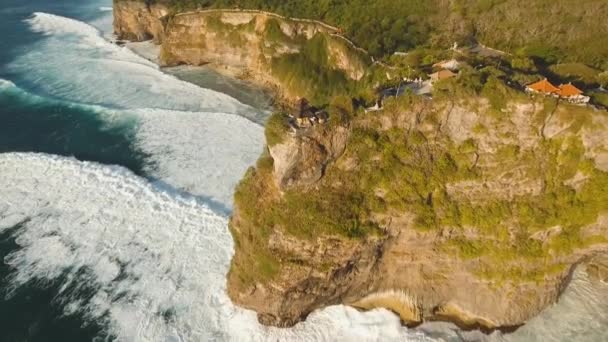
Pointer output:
188, 151
76, 62
156, 259
157, 262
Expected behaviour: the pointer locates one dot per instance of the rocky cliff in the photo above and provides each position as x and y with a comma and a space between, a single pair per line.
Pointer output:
138, 21
286, 55
437, 209
470, 209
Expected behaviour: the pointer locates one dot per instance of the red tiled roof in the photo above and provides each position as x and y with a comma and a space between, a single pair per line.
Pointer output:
567, 90
544, 86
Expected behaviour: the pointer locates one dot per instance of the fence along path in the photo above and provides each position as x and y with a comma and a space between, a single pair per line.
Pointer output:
334, 31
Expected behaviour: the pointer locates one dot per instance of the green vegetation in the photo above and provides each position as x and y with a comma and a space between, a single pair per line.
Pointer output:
559, 205
255, 262
232, 34
307, 215
398, 171
310, 73
546, 30
399, 168
576, 72
600, 98
276, 128
602, 79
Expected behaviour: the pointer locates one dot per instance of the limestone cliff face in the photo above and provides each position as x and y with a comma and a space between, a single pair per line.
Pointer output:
483, 260
302, 160
243, 44
138, 21
320, 272
419, 273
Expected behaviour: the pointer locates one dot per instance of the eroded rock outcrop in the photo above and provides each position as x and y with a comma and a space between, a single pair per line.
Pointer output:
243, 44
435, 210
481, 269
139, 21
302, 160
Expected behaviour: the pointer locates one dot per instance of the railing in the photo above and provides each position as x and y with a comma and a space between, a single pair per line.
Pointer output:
334, 31
270, 14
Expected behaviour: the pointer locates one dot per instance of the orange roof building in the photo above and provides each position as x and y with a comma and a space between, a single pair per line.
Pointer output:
568, 90
543, 86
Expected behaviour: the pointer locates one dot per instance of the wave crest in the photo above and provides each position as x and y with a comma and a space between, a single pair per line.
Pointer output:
76, 62
157, 263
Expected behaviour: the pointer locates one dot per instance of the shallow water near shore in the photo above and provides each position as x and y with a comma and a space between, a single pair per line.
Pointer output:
117, 182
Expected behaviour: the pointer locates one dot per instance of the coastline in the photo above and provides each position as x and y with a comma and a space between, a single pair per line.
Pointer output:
224, 80
459, 319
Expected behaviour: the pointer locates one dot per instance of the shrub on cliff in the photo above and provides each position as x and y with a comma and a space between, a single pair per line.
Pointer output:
570, 32
310, 73
276, 128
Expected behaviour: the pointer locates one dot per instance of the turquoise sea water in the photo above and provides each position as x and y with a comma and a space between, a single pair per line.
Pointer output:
116, 182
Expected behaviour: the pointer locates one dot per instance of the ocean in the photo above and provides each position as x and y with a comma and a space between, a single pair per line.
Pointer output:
116, 183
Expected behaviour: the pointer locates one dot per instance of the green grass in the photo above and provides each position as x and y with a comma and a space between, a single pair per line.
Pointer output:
310, 73
276, 128
600, 98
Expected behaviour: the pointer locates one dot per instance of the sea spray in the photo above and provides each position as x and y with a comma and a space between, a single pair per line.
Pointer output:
157, 262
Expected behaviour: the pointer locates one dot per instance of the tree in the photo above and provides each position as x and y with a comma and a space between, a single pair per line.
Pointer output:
524, 64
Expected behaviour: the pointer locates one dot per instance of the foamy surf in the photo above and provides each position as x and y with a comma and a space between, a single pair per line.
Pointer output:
74, 61
200, 153
157, 262
203, 154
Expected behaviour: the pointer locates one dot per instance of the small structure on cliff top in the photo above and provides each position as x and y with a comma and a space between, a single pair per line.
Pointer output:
567, 92
384, 94
308, 115
572, 94
542, 87
441, 75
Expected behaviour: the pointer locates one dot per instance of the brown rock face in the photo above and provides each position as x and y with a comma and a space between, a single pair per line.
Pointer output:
410, 271
327, 271
137, 21
301, 161
238, 43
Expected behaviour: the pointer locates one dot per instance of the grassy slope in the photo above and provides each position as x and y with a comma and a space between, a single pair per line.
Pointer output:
570, 31
411, 172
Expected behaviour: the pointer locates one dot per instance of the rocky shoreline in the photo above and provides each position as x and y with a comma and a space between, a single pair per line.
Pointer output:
402, 269
238, 44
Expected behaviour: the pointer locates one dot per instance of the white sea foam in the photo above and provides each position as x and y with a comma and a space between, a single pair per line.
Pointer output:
157, 263
208, 152
105, 9
204, 154
193, 135
76, 62
6, 84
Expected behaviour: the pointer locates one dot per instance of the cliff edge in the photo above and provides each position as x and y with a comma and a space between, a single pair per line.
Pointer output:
295, 58
473, 208
450, 209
